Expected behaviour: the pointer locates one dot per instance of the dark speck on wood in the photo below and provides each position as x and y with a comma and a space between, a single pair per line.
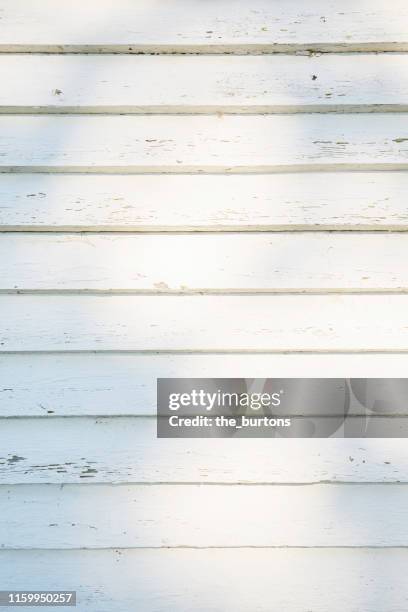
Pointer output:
15, 459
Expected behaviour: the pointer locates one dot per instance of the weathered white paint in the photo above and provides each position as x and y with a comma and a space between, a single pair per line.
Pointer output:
204, 263
355, 201
277, 323
138, 516
185, 26
203, 84
94, 455
203, 143
216, 580
59, 384
126, 450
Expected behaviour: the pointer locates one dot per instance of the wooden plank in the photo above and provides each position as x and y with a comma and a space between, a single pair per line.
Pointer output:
262, 143
219, 263
96, 384
126, 450
139, 516
279, 323
355, 201
185, 26
216, 580
206, 84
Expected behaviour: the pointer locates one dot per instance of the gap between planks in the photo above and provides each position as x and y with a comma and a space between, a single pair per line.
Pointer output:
208, 352
219, 229
203, 292
201, 484
308, 49
206, 170
204, 110
111, 417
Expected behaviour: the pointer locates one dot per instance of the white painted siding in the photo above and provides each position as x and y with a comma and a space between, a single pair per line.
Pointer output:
110, 384
194, 26
203, 84
239, 263
203, 323
220, 144
186, 516
270, 181
219, 579
86, 450
164, 202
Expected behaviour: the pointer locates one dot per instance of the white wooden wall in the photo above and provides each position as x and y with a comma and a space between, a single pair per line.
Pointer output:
195, 188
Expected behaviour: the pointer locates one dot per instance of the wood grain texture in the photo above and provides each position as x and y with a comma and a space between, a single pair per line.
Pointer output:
185, 26
203, 84
216, 580
139, 516
276, 323
126, 450
355, 201
262, 143
97, 384
237, 263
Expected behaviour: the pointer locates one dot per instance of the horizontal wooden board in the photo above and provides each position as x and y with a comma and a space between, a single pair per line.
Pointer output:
126, 450
203, 84
214, 263
125, 384
355, 201
185, 26
262, 143
139, 516
294, 580
276, 323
